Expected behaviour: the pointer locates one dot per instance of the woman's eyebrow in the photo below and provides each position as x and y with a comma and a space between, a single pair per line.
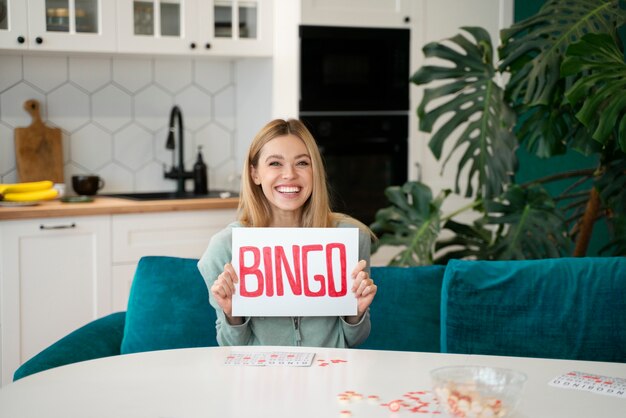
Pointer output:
277, 156
280, 157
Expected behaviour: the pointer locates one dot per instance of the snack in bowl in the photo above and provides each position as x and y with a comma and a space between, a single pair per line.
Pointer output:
477, 391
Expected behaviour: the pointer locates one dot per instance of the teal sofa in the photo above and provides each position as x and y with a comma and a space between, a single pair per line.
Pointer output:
568, 308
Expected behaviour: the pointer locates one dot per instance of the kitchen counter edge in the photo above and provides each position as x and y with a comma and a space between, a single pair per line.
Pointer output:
113, 206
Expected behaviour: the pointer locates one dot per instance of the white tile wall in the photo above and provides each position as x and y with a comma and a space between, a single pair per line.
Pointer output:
114, 113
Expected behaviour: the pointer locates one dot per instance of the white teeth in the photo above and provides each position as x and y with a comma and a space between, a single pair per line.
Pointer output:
288, 189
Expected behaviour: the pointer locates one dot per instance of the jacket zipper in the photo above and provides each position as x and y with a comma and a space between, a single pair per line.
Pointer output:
296, 325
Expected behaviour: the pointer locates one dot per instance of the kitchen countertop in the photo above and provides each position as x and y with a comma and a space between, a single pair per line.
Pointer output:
111, 205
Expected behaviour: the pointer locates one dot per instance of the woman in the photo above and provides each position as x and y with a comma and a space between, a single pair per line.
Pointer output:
284, 185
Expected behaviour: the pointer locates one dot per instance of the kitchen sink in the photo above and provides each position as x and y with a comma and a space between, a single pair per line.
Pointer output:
221, 194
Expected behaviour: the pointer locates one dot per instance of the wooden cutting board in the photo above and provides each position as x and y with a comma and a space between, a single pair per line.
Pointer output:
38, 149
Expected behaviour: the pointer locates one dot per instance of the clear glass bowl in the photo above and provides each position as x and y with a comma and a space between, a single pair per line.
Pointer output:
477, 391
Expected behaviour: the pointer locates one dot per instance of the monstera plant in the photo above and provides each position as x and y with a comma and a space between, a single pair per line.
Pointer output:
565, 89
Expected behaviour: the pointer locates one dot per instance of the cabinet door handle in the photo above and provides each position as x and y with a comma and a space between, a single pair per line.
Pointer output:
21, 40
39, 40
66, 226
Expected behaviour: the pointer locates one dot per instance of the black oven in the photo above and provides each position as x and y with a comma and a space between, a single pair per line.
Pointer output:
354, 69
354, 97
363, 155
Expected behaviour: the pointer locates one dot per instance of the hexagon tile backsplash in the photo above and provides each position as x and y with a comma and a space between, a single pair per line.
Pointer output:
114, 113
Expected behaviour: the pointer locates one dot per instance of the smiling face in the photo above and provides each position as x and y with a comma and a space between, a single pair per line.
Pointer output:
285, 174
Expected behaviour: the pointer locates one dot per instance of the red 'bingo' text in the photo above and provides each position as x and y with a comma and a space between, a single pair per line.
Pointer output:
276, 263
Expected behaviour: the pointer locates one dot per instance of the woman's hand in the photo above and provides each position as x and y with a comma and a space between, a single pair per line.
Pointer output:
223, 289
364, 289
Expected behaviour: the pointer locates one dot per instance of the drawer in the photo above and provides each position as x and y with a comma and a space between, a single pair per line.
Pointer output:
177, 234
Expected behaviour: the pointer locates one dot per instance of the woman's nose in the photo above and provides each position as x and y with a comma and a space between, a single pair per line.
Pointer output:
289, 172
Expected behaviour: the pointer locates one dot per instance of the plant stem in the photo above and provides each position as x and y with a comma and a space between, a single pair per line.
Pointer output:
571, 196
576, 184
576, 204
560, 176
586, 224
472, 205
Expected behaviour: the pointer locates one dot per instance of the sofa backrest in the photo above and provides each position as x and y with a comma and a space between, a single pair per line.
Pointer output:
168, 307
405, 312
565, 308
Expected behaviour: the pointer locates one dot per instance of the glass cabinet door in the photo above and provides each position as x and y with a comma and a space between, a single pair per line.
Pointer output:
13, 24
213, 27
235, 19
157, 18
247, 19
78, 16
71, 25
157, 26
223, 19
4, 15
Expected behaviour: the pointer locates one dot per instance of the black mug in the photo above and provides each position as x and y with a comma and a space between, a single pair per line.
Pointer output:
87, 185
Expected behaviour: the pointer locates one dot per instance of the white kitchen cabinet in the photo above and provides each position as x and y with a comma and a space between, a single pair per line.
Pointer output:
202, 27
178, 234
13, 24
59, 25
367, 13
55, 276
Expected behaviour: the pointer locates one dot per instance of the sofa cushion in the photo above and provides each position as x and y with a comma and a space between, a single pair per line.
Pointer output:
567, 308
168, 307
405, 312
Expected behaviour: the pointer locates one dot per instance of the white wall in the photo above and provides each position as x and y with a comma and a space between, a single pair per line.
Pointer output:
285, 81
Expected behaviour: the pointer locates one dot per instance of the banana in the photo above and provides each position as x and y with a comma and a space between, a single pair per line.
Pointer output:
31, 196
31, 186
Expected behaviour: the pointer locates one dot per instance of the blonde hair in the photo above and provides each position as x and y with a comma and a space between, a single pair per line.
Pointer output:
255, 210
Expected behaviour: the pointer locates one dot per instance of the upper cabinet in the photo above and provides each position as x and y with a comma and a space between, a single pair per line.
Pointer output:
13, 24
219, 27
196, 27
58, 25
368, 13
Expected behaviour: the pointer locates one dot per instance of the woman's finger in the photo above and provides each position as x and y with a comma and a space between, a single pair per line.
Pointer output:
360, 266
359, 278
370, 290
228, 268
218, 291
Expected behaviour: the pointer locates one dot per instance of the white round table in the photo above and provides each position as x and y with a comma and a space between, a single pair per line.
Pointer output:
190, 383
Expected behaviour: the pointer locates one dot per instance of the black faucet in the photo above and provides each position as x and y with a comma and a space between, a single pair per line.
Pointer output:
177, 172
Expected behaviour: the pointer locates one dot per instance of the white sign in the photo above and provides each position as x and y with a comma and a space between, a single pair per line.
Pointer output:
294, 271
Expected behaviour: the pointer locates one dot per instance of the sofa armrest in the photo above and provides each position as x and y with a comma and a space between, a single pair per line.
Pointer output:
99, 338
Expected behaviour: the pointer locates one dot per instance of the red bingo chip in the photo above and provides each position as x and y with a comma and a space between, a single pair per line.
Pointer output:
394, 406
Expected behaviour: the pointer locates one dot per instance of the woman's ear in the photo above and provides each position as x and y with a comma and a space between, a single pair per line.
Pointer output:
254, 175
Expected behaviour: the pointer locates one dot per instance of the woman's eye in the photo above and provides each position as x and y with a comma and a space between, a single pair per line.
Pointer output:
303, 163
274, 164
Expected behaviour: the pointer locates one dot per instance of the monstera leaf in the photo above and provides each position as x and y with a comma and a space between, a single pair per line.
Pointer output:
412, 222
603, 91
532, 51
476, 103
534, 48
531, 225
469, 241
